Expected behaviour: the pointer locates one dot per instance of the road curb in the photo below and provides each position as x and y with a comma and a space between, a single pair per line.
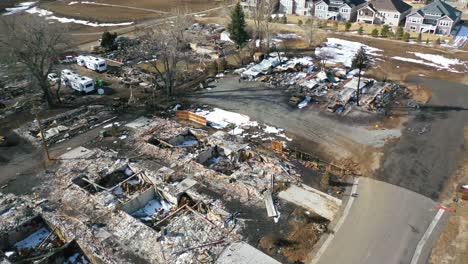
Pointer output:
335, 225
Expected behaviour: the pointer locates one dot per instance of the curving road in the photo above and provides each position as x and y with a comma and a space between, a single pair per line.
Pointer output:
385, 224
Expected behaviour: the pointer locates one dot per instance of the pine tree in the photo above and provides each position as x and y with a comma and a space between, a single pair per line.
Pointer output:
399, 33
107, 40
419, 37
384, 31
360, 30
360, 61
406, 37
348, 26
237, 26
284, 19
375, 33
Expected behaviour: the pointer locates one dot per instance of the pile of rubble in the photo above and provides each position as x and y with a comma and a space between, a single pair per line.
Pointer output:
68, 124
336, 88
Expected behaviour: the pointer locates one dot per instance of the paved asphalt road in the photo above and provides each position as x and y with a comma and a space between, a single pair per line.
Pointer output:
384, 225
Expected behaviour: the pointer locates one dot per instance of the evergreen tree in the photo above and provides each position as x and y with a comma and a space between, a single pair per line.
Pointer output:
360, 30
237, 26
384, 31
107, 40
375, 33
399, 33
419, 37
348, 26
284, 19
300, 23
406, 37
360, 61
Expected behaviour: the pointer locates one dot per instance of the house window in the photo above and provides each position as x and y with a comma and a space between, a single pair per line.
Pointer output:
413, 28
444, 23
396, 16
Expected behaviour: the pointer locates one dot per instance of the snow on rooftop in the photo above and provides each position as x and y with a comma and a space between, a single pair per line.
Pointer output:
49, 16
342, 51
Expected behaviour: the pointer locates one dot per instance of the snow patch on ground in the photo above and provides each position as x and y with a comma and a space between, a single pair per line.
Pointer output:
288, 36
437, 61
18, 8
342, 51
49, 16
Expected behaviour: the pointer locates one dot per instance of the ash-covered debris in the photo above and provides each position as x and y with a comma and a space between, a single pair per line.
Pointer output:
68, 124
183, 196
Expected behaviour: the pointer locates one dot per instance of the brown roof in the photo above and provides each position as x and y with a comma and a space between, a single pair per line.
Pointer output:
390, 5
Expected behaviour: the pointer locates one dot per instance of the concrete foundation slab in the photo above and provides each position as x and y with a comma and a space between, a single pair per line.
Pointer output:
311, 199
243, 253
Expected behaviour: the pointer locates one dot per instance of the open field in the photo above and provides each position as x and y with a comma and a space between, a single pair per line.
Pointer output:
122, 11
99, 13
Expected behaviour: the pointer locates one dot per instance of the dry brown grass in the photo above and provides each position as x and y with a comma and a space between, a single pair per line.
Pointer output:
165, 5
99, 13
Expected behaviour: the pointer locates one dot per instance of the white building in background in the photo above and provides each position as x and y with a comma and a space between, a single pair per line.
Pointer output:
297, 7
341, 10
388, 12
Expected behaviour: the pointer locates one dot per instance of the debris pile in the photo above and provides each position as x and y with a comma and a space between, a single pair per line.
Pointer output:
335, 88
67, 125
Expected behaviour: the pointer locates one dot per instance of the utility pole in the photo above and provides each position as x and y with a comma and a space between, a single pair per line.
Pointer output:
44, 141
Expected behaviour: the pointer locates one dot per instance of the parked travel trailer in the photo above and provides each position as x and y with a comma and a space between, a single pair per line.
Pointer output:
77, 82
92, 63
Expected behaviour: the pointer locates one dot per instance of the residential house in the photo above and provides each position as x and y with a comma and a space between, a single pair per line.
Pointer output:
297, 7
437, 17
342, 10
249, 5
383, 12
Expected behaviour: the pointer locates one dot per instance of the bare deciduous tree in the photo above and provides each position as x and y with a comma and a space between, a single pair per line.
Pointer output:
164, 48
312, 33
324, 56
261, 16
34, 45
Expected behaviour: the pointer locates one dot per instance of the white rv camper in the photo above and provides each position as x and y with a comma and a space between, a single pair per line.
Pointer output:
77, 82
92, 63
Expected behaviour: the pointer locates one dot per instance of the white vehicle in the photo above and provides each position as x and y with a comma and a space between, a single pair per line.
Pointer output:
92, 63
77, 82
